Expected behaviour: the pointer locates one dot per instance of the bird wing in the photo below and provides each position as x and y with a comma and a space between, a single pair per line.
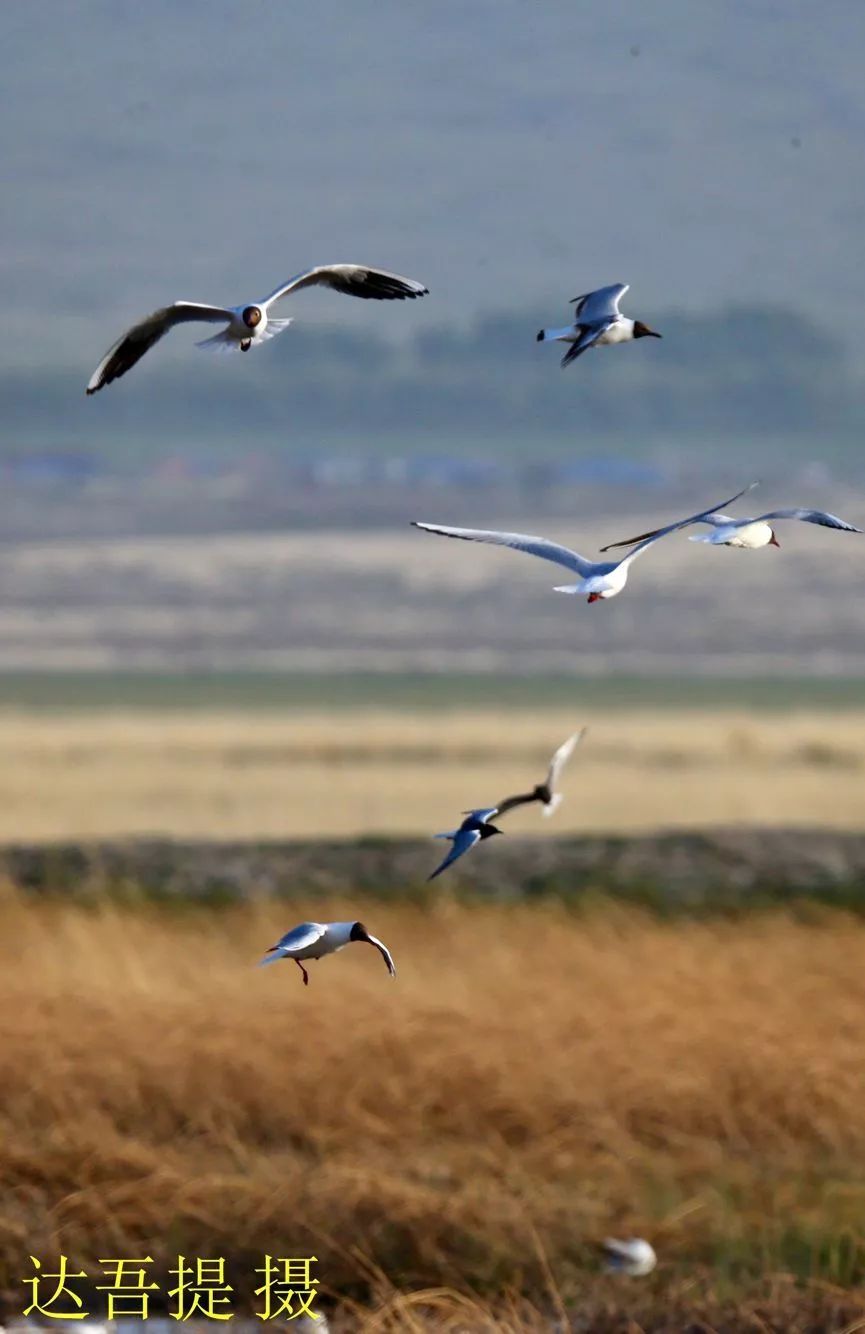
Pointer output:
298, 938
562, 755
384, 952
603, 304
484, 813
810, 516
589, 335
463, 840
716, 520
352, 280
532, 546
131, 347
651, 538
510, 803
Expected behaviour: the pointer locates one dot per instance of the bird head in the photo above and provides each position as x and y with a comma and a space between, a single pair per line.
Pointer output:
642, 330
251, 317
487, 830
773, 540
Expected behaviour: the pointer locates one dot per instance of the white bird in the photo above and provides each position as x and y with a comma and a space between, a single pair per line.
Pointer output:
750, 534
313, 940
600, 580
475, 826
634, 1257
248, 325
597, 323
546, 792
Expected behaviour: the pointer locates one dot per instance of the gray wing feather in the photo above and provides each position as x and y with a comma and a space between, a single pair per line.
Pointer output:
353, 280
132, 345
532, 546
810, 516
590, 333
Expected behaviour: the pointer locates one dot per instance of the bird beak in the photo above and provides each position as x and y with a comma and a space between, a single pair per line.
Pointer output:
773, 541
653, 333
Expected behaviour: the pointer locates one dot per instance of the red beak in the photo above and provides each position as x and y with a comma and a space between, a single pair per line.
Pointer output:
773, 541
594, 597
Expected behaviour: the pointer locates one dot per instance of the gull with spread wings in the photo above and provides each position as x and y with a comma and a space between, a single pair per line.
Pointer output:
597, 323
750, 534
251, 324
545, 792
475, 827
598, 580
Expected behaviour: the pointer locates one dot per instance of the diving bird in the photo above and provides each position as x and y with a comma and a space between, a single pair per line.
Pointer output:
634, 1257
248, 325
546, 792
313, 940
475, 827
597, 323
599, 580
749, 533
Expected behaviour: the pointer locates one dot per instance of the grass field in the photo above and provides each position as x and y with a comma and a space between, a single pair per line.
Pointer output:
253, 769
529, 1083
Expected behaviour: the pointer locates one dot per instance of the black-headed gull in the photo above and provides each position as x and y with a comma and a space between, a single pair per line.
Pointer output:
597, 323
634, 1257
599, 580
313, 940
749, 533
250, 324
546, 792
475, 826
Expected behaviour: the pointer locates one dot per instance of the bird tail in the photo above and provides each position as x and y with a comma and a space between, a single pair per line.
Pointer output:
556, 335
271, 956
274, 327
221, 342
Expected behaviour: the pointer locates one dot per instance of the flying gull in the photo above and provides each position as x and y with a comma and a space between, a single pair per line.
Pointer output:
248, 325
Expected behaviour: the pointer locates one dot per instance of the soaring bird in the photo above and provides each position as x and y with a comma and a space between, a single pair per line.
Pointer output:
546, 792
475, 827
248, 325
599, 580
597, 323
313, 940
749, 533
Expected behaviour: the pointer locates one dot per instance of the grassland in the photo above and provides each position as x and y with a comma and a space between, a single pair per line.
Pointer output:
530, 1082
228, 771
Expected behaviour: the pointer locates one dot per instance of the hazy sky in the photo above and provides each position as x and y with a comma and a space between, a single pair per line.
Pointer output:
503, 151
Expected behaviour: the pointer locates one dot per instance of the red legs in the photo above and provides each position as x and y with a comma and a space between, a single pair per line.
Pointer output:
305, 973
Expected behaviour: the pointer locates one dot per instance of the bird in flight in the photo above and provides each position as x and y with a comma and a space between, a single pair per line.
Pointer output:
546, 792
313, 940
597, 323
750, 534
598, 579
475, 827
251, 324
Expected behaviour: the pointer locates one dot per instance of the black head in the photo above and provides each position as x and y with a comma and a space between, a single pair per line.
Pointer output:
359, 932
642, 330
487, 830
251, 317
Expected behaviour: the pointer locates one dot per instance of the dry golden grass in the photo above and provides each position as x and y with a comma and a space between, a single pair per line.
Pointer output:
530, 1082
284, 774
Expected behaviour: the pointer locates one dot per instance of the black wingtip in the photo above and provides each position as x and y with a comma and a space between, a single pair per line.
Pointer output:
88, 392
540, 336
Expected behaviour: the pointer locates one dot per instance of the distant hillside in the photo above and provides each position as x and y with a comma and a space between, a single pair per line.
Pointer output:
752, 378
